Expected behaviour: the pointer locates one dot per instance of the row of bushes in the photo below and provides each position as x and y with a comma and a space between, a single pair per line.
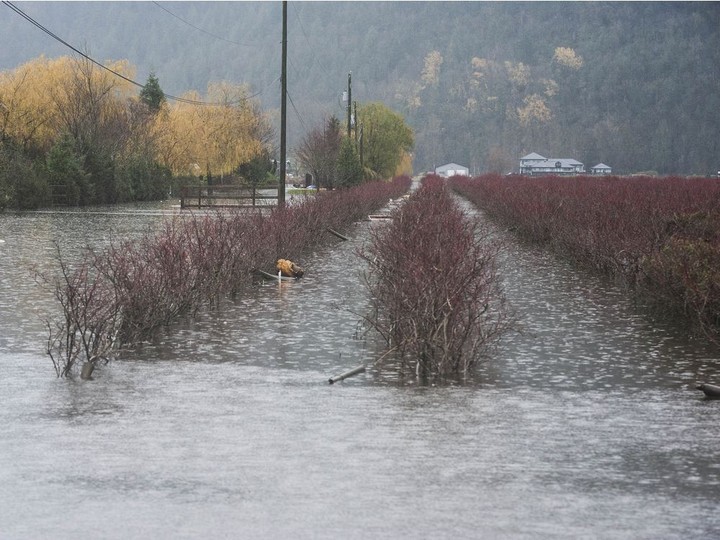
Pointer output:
660, 235
120, 296
435, 294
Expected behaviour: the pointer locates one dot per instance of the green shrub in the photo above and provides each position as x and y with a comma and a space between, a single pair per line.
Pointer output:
21, 186
68, 180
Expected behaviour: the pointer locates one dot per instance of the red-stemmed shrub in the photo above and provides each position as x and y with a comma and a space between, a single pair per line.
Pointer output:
435, 293
120, 296
659, 234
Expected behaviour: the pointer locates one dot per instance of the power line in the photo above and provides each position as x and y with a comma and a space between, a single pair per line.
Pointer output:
120, 75
220, 38
297, 113
307, 40
202, 29
68, 45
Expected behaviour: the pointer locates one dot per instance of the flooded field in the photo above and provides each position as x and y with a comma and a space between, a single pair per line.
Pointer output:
584, 424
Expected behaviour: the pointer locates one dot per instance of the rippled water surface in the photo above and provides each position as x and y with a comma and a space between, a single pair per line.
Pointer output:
583, 425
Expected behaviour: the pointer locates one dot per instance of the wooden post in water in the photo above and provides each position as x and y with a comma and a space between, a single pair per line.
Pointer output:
340, 236
343, 376
711, 390
86, 371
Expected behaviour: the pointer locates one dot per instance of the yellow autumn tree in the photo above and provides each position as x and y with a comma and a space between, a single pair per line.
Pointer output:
405, 166
431, 70
44, 98
212, 138
534, 111
28, 114
551, 87
91, 103
565, 56
518, 74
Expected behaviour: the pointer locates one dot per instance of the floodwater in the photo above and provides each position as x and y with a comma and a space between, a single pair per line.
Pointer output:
585, 424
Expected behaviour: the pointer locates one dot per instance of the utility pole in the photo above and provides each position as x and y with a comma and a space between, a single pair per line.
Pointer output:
283, 110
349, 105
356, 123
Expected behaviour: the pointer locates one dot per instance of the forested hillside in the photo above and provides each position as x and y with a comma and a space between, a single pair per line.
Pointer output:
633, 85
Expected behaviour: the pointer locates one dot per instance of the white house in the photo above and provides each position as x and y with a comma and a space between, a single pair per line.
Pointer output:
452, 169
601, 168
530, 160
534, 164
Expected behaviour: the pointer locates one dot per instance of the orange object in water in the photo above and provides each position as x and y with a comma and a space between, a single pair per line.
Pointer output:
288, 268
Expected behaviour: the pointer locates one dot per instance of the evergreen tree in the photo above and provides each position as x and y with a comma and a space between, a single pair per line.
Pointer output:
257, 169
20, 184
350, 171
151, 94
67, 178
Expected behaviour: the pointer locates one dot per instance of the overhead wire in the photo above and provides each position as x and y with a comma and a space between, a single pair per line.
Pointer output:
191, 25
297, 113
314, 59
307, 40
117, 74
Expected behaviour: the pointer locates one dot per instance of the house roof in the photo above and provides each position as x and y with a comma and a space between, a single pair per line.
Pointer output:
533, 155
601, 166
451, 166
551, 163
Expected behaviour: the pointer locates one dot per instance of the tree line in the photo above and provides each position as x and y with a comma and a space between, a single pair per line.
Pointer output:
378, 145
73, 133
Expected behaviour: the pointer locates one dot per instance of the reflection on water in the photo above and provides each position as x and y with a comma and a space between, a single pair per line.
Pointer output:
582, 424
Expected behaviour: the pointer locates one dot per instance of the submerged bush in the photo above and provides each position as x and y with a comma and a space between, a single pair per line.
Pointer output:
435, 294
121, 296
684, 272
660, 235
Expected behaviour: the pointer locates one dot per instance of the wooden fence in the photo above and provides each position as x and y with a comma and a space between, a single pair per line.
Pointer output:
224, 196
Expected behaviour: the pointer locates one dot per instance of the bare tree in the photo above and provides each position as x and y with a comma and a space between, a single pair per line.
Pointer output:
319, 151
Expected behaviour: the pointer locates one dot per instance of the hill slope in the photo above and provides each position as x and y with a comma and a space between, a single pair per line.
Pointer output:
480, 83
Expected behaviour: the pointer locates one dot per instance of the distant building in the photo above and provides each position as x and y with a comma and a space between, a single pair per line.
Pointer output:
534, 164
452, 169
600, 168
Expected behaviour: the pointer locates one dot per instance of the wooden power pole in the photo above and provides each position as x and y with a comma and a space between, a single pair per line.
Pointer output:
349, 104
283, 110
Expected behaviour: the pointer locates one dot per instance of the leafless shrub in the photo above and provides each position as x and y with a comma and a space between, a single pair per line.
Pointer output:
88, 328
435, 294
121, 296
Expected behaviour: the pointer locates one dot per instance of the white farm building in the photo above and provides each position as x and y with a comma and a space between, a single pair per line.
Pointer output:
601, 168
452, 169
